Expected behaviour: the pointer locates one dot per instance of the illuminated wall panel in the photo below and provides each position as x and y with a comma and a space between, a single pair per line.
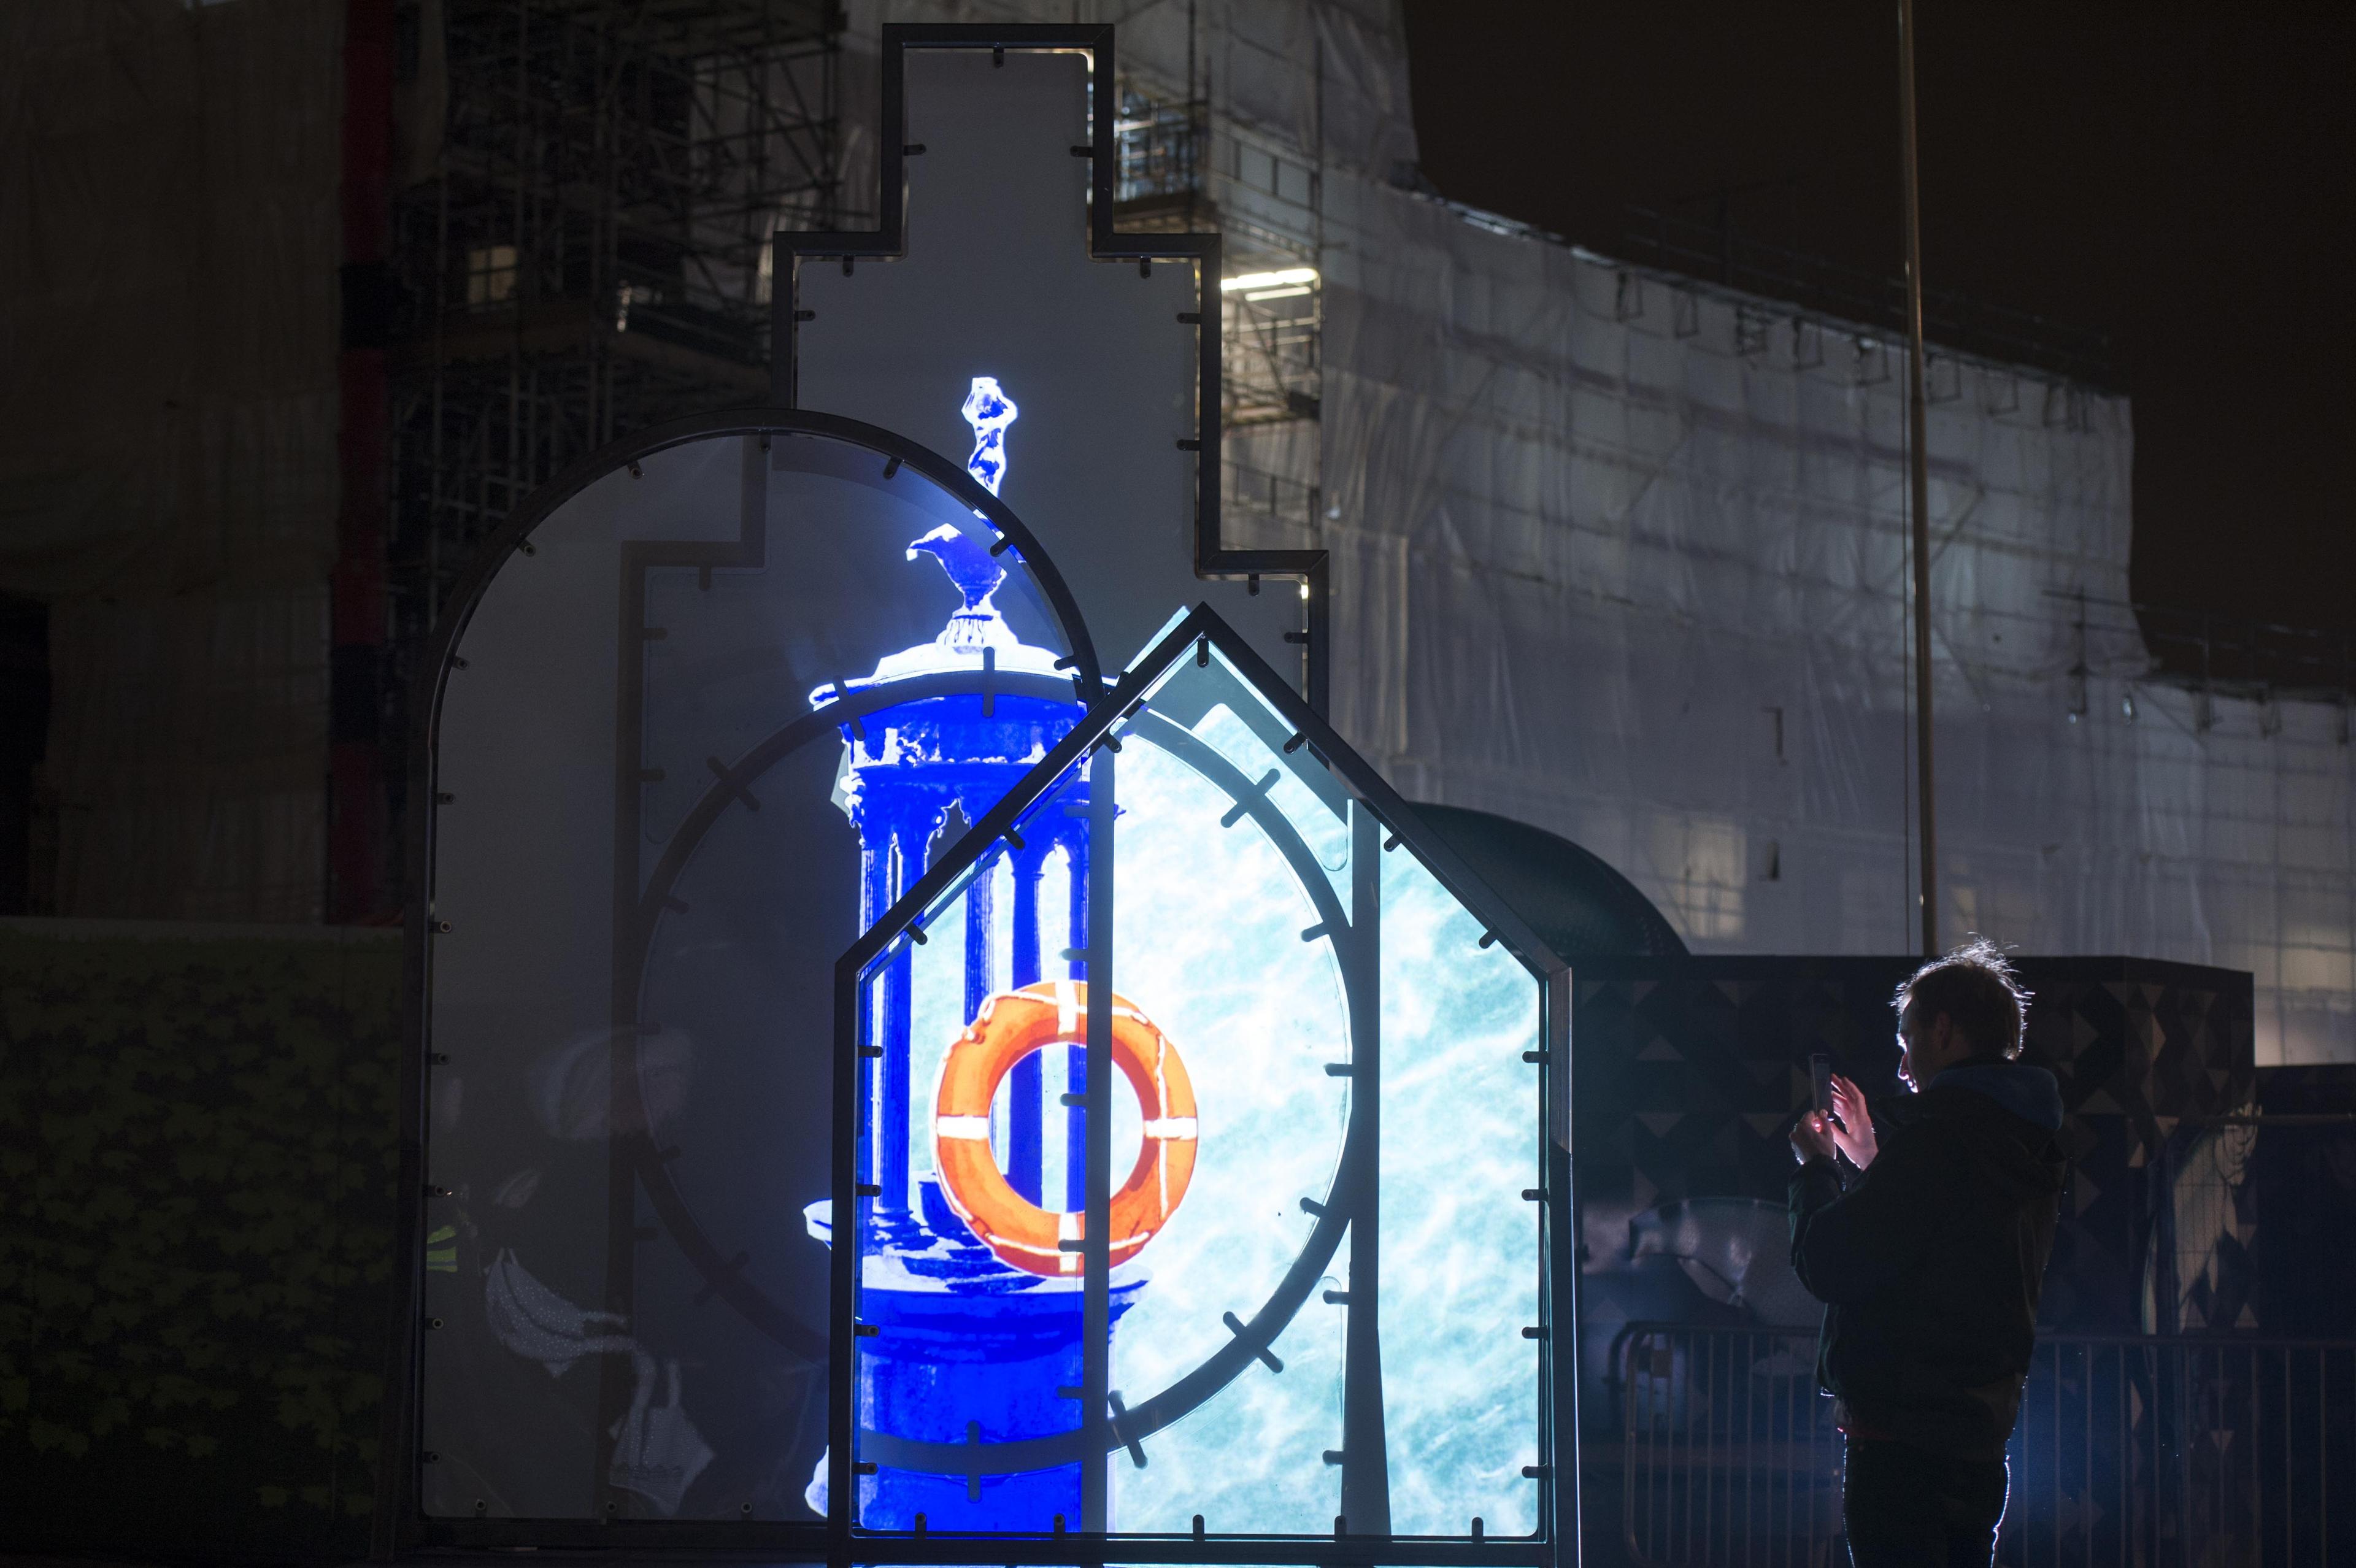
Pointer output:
641, 875
1320, 1292
1459, 1381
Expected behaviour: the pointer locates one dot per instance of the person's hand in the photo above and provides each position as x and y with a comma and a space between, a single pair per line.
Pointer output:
1854, 1134
1812, 1137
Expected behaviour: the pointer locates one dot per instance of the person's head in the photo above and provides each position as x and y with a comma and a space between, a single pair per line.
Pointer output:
1964, 1007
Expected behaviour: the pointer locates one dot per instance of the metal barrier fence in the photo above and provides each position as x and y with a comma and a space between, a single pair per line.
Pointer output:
2131, 1451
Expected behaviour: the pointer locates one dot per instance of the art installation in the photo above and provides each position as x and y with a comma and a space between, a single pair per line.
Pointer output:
1259, 922
1004, 1093
970, 1267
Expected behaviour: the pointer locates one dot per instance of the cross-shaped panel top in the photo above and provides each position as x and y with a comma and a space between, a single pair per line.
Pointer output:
995, 257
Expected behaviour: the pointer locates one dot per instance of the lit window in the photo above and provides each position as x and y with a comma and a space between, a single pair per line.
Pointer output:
1290, 280
490, 274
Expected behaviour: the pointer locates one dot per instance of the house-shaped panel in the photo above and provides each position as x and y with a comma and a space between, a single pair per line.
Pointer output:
1200, 1160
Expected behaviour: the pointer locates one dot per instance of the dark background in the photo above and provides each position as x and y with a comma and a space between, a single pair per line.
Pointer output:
2174, 176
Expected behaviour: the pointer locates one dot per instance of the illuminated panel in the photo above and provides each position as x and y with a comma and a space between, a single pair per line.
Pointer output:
997, 275
1459, 1276
644, 872
1318, 1310
1207, 933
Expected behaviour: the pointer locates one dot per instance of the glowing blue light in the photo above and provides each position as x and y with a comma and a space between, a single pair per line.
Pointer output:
974, 568
971, 1349
990, 410
976, 628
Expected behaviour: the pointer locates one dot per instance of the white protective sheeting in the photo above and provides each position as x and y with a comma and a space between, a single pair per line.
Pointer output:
1625, 557
1605, 572
168, 243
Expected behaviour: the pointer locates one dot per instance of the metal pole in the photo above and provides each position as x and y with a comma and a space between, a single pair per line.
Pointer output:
1095, 1246
1919, 489
1365, 1444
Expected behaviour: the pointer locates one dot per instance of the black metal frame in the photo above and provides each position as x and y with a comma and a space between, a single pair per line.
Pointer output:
1375, 809
889, 241
397, 1520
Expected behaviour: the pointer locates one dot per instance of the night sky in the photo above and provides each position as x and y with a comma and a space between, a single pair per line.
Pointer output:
2176, 176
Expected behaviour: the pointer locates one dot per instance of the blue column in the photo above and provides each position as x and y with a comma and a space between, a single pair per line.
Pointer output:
1075, 1118
909, 822
1023, 1108
875, 898
892, 1113
978, 965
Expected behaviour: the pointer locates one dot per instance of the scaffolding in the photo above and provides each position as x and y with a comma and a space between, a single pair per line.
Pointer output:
591, 255
1180, 174
2210, 655
1720, 251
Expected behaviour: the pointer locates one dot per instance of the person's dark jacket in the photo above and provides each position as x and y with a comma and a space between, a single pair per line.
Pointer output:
1930, 1264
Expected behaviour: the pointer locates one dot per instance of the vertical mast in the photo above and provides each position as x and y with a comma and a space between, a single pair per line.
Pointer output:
1918, 488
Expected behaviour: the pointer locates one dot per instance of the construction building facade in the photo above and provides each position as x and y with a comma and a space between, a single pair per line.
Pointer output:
309, 296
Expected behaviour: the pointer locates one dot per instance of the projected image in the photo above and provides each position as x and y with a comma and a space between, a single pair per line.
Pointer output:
1271, 966
635, 996
1319, 1082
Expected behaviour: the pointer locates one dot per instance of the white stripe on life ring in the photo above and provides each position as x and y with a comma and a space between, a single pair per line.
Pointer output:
1067, 1009
975, 1128
1170, 1127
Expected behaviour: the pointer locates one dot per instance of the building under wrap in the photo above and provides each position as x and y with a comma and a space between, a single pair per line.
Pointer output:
1614, 552
1623, 555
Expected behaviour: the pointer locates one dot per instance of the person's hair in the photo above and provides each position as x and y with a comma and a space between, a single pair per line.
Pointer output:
1974, 985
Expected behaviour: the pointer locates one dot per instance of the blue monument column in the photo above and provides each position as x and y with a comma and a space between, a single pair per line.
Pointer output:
968, 1350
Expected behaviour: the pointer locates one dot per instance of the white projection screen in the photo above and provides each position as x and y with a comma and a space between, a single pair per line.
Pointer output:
641, 877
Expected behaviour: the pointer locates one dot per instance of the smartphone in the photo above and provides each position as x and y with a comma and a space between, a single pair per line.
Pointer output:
1820, 1070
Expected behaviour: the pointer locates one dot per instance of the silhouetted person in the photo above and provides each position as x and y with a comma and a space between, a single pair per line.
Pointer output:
1929, 1259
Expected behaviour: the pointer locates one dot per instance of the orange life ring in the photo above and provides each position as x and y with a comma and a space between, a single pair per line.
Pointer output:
1009, 1026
